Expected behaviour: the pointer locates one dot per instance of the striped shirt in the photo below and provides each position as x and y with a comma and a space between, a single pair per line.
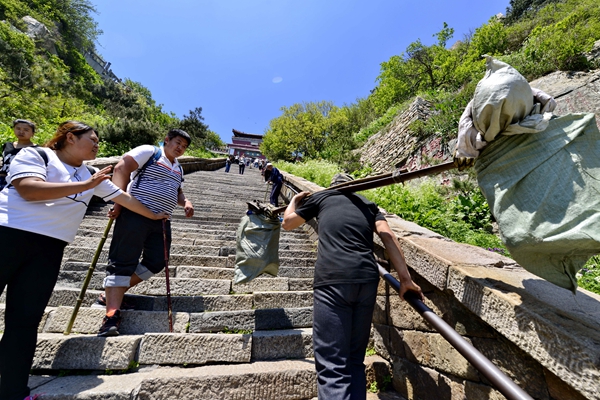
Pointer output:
157, 187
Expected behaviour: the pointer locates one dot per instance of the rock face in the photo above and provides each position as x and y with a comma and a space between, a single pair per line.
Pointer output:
40, 34
575, 92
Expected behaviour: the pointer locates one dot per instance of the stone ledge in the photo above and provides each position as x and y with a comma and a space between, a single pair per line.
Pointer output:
560, 331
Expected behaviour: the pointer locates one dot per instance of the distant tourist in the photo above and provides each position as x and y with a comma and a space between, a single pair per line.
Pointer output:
24, 131
242, 165
228, 162
41, 209
276, 179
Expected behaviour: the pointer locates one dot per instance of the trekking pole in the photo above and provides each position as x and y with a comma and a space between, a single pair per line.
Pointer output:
88, 278
376, 181
169, 307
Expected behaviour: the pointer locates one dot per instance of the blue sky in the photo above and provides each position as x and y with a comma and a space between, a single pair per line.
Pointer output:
242, 60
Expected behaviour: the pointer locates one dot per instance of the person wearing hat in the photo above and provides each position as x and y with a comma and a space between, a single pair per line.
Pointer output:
345, 283
276, 179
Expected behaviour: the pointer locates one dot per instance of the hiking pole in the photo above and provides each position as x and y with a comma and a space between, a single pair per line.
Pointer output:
88, 278
488, 369
169, 307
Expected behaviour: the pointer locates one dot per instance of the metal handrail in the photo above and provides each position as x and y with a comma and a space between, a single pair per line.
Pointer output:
502, 382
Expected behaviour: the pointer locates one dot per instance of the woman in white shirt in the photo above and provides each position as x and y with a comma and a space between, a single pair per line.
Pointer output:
40, 211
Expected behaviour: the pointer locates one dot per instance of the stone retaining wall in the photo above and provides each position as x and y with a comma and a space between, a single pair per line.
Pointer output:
189, 164
540, 335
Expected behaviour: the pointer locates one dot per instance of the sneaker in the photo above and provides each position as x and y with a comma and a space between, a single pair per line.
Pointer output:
34, 397
110, 325
101, 303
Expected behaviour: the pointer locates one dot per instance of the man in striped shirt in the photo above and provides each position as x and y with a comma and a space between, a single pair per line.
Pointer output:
155, 179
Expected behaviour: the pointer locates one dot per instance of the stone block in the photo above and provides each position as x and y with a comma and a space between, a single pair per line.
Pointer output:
433, 351
273, 380
288, 344
204, 272
296, 272
56, 351
421, 383
515, 363
133, 323
195, 304
380, 310
538, 317
283, 318
380, 340
403, 316
282, 299
300, 284
68, 297
200, 261
222, 321
183, 287
194, 349
262, 285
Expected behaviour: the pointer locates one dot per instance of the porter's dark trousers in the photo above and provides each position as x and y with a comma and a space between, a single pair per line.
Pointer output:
341, 327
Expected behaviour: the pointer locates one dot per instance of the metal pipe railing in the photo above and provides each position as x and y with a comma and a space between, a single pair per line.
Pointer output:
502, 382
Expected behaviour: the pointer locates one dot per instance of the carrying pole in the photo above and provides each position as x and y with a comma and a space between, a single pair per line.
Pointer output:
502, 382
88, 278
169, 307
376, 181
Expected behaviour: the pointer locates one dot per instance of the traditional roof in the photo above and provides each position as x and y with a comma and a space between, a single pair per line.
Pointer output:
246, 135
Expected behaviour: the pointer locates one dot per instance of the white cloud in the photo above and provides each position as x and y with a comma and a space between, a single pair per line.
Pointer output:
277, 79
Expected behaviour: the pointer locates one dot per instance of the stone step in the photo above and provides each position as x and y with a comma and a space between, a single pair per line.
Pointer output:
194, 238
136, 322
55, 351
64, 296
185, 247
68, 296
184, 271
156, 286
268, 380
186, 231
251, 320
86, 254
264, 380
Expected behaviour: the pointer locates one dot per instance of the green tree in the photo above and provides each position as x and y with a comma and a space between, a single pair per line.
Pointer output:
520, 8
194, 125
419, 68
302, 129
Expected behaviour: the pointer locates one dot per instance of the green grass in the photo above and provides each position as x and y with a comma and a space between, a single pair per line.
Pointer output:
589, 276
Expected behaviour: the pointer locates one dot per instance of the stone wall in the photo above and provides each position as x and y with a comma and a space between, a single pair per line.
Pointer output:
396, 146
540, 335
189, 164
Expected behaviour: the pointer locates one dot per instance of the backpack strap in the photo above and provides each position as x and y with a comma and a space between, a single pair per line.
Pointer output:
152, 160
42, 154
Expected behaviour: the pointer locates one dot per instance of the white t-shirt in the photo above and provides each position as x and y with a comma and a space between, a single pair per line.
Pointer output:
58, 218
158, 186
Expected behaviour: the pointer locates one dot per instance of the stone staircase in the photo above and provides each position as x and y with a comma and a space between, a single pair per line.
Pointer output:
250, 341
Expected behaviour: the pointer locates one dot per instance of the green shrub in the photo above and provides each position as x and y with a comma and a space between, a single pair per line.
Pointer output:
317, 171
589, 276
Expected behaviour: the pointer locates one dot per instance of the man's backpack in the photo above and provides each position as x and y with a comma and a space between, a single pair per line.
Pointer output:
154, 159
